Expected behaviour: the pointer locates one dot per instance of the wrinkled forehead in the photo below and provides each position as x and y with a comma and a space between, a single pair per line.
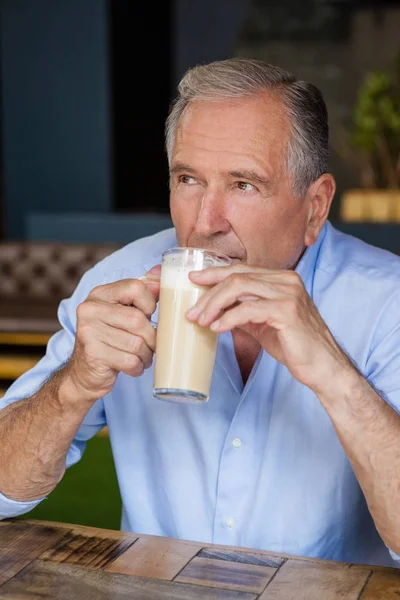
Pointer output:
257, 126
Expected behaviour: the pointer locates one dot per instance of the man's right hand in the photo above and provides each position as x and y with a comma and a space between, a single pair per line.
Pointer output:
114, 334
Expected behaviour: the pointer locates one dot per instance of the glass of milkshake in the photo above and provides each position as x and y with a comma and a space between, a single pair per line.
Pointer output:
185, 351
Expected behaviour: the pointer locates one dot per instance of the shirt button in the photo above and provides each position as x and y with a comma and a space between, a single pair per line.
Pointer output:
230, 522
237, 442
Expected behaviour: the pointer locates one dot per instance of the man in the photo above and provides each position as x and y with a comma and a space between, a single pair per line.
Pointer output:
297, 449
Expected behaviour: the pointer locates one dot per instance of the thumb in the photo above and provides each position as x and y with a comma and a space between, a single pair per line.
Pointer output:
154, 272
152, 279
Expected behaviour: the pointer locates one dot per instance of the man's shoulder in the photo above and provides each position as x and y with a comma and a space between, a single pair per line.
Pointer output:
345, 254
138, 254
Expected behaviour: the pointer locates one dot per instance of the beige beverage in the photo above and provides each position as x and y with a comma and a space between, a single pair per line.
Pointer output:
185, 351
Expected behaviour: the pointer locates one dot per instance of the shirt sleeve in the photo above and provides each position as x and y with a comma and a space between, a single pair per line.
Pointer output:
58, 351
395, 556
383, 364
382, 367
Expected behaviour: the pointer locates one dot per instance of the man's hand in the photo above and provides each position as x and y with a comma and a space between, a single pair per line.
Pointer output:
114, 334
275, 308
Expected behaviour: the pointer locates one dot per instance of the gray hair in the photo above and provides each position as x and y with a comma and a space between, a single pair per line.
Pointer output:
308, 148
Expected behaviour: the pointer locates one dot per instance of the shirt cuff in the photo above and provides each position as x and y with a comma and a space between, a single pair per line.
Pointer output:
13, 508
394, 555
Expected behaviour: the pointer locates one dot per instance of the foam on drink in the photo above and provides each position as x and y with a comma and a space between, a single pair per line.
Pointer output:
176, 277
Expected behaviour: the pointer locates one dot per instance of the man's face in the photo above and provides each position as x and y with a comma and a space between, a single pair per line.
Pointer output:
230, 190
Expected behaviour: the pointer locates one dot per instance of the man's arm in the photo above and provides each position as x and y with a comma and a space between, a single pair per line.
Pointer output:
369, 431
113, 335
36, 434
274, 308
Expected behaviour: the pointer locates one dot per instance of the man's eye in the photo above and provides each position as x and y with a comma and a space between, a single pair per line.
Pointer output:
187, 180
245, 186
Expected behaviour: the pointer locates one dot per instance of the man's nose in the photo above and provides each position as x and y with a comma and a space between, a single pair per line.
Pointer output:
212, 214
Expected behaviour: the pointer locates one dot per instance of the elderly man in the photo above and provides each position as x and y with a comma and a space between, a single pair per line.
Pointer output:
298, 448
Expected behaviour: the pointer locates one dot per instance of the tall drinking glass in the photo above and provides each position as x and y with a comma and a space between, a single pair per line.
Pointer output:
185, 351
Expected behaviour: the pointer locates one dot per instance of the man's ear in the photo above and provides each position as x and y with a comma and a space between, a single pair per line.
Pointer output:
319, 197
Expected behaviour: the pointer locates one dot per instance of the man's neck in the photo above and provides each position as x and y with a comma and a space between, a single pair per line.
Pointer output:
247, 350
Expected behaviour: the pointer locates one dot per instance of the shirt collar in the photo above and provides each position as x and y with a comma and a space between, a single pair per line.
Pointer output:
308, 263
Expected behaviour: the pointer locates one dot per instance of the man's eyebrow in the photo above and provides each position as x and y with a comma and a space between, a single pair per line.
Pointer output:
180, 167
252, 175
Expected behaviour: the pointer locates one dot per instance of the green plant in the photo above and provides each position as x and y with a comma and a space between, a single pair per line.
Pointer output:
373, 140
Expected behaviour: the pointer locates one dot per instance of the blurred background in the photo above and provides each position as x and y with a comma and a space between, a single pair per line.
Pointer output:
85, 87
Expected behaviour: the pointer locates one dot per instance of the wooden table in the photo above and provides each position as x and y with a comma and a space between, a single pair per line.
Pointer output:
69, 562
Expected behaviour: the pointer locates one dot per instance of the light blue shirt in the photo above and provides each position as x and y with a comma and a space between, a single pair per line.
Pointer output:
257, 466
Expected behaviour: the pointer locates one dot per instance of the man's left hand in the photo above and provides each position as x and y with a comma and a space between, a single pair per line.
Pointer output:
274, 307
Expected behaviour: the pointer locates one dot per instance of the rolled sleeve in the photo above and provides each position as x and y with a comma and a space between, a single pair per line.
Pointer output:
13, 508
395, 556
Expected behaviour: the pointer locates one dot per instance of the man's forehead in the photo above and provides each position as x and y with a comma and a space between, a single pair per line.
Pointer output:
265, 106
253, 120
253, 130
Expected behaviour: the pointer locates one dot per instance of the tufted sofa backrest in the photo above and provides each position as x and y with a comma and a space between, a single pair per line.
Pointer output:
46, 270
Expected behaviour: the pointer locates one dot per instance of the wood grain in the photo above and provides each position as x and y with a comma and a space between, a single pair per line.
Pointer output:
226, 575
275, 556
87, 551
10, 531
267, 554
158, 558
85, 530
50, 581
248, 558
383, 586
374, 568
298, 580
60, 561
21, 543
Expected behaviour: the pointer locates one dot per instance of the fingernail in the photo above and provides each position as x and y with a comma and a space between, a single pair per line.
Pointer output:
192, 312
201, 319
215, 326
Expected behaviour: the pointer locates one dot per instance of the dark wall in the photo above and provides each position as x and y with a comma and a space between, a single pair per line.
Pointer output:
145, 70
55, 108
205, 30
140, 87
86, 86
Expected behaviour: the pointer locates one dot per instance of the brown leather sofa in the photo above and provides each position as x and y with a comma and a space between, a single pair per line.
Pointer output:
36, 276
